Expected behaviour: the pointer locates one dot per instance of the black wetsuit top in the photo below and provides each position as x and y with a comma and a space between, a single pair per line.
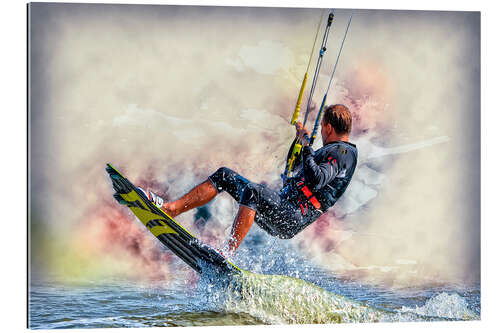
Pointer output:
326, 172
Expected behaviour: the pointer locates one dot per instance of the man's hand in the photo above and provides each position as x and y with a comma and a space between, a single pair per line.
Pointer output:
302, 133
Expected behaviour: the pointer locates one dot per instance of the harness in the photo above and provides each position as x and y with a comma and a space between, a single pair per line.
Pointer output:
309, 197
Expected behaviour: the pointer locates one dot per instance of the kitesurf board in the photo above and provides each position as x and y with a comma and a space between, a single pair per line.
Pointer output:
192, 251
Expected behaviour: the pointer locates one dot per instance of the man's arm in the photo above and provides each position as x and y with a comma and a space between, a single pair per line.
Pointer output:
318, 175
302, 134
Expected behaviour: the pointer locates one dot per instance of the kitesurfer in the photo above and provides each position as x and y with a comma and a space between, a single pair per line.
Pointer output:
322, 178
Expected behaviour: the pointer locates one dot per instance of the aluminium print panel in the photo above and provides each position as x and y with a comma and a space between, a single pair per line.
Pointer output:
200, 97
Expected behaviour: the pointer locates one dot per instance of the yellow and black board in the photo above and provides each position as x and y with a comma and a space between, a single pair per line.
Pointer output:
192, 251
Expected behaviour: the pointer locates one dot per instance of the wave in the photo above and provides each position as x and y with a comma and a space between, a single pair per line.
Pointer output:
281, 300
444, 305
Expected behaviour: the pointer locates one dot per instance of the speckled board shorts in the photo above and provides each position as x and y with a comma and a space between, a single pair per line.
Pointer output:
276, 215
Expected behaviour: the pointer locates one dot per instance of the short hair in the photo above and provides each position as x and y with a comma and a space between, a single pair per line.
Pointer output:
339, 117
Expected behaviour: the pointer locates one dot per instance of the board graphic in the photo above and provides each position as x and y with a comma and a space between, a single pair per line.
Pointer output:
192, 251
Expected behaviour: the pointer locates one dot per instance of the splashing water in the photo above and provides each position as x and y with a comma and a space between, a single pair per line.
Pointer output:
277, 299
444, 305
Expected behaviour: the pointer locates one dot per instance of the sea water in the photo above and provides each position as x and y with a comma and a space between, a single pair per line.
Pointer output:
288, 289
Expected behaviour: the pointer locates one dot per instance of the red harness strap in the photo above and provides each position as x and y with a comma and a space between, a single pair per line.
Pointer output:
302, 209
309, 196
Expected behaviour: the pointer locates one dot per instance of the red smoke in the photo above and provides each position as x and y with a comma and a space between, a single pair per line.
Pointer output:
110, 230
367, 91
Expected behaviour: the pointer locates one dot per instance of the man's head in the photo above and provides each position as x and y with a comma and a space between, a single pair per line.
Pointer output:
336, 124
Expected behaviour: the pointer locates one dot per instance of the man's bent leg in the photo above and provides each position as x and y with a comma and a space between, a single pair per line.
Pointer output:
198, 196
241, 225
224, 179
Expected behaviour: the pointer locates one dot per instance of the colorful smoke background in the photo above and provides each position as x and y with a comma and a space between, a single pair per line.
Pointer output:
169, 93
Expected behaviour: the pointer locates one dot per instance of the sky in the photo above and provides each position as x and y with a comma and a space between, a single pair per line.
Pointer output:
169, 93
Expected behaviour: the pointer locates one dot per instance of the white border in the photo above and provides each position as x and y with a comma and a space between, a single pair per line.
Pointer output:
13, 244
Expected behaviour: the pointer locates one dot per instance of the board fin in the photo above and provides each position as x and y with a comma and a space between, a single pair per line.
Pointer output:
192, 251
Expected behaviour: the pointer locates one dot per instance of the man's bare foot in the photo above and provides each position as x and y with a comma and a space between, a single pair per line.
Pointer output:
170, 209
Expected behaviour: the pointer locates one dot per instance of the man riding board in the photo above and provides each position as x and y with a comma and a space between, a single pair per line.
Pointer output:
322, 177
